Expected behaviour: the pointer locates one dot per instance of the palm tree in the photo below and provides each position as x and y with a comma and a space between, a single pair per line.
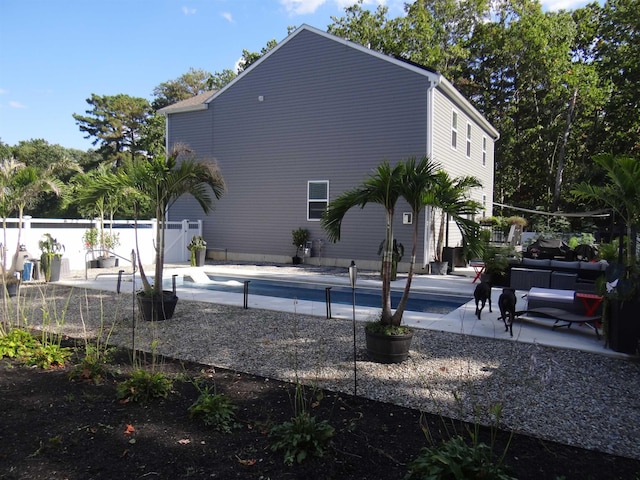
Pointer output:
450, 196
621, 192
160, 181
385, 187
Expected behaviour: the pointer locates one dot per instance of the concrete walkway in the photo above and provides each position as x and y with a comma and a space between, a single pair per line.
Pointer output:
461, 320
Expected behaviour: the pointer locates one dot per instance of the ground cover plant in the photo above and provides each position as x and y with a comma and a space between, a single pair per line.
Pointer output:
191, 420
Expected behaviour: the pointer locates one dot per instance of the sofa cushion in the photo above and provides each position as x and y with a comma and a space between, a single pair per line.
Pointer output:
535, 262
562, 265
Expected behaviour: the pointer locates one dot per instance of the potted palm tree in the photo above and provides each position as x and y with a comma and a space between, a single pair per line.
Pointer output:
388, 341
449, 196
620, 192
160, 181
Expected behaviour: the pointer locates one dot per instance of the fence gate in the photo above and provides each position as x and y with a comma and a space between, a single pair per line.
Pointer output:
177, 237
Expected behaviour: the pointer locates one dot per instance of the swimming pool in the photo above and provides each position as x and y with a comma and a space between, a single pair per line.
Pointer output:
365, 297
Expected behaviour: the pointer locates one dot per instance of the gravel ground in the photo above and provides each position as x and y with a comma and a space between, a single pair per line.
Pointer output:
567, 396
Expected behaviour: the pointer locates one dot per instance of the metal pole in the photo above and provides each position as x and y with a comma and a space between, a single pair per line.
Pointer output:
353, 276
246, 294
120, 272
327, 299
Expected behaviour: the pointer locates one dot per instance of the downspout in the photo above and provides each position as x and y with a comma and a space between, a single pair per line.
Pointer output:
428, 153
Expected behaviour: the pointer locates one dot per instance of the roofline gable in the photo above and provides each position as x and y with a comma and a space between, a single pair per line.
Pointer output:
436, 80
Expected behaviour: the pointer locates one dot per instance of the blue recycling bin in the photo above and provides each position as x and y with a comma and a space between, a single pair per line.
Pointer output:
26, 271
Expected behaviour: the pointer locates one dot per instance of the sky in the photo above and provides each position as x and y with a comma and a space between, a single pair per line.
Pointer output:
54, 54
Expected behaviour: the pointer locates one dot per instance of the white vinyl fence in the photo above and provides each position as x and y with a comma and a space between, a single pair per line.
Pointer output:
70, 232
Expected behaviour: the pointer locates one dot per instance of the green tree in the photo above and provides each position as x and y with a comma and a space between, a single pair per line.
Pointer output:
187, 85
620, 191
409, 180
116, 123
618, 61
160, 181
249, 58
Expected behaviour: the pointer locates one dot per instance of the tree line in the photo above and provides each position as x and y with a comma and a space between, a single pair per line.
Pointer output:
560, 87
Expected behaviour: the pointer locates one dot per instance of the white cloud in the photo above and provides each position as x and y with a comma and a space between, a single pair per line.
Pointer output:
3, 91
14, 104
555, 5
228, 17
188, 11
301, 7
304, 7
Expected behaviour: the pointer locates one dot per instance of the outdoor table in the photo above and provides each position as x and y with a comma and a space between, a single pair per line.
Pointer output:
591, 301
479, 269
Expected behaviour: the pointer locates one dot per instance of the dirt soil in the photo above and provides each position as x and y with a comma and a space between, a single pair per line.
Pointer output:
55, 428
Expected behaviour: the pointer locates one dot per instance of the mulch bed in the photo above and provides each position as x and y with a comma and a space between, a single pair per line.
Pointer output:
55, 428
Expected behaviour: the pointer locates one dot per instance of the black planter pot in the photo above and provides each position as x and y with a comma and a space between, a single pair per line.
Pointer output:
156, 308
296, 260
439, 268
12, 289
624, 326
383, 348
106, 262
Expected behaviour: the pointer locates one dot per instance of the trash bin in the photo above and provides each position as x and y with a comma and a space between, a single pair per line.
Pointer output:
26, 271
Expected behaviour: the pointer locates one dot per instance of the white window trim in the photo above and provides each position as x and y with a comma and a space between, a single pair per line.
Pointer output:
454, 129
309, 200
468, 143
484, 151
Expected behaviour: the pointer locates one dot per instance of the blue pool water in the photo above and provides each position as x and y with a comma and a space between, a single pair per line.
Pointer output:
365, 297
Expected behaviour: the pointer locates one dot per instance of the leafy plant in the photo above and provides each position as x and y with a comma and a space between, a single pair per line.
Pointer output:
48, 355
301, 438
455, 459
300, 238
94, 364
23, 346
90, 239
50, 248
17, 343
214, 409
384, 329
143, 386
196, 244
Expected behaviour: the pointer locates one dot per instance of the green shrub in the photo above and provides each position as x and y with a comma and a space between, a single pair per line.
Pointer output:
143, 386
214, 409
17, 343
47, 356
456, 460
300, 438
94, 364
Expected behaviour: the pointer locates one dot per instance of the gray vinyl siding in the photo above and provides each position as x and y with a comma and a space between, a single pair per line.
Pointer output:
328, 113
315, 109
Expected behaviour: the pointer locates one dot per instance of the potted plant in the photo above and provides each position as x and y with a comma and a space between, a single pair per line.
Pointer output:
449, 196
109, 241
496, 265
300, 239
158, 182
51, 257
198, 251
621, 192
90, 241
388, 341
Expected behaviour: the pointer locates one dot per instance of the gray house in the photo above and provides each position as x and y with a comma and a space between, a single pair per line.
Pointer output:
309, 120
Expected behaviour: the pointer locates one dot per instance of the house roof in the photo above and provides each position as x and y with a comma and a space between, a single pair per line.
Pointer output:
200, 102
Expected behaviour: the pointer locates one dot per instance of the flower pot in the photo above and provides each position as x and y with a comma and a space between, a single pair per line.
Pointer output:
624, 326
439, 268
92, 264
296, 260
200, 255
106, 262
54, 268
12, 289
383, 348
154, 308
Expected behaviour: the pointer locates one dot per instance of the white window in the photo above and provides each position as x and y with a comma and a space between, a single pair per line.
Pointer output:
454, 129
317, 199
484, 151
468, 140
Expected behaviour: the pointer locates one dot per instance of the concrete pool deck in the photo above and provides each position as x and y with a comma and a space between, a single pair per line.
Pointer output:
461, 320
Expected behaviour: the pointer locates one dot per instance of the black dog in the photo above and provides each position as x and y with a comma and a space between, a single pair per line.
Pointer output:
482, 293
507, 306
